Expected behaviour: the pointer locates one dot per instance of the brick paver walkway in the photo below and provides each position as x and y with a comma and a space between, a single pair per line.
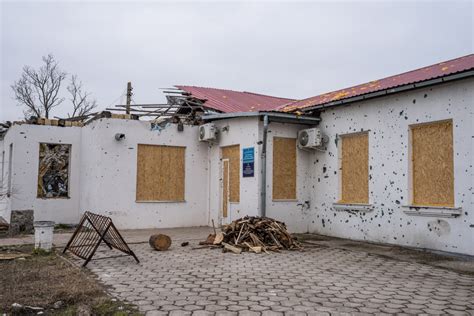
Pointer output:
318, 281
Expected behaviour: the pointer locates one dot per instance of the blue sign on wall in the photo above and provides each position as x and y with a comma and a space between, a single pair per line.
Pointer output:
248, 162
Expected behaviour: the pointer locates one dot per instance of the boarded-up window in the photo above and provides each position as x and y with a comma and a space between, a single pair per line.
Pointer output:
284, 168
355, 168
233, 154
160, 173
53, 173
432, 164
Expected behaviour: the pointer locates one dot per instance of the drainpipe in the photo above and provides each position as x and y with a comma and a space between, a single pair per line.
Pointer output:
263, 189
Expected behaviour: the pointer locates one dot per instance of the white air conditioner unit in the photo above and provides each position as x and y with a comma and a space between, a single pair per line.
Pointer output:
310, 138
207, 132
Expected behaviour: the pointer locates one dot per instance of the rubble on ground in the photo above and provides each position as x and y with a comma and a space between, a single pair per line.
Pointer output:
252, 233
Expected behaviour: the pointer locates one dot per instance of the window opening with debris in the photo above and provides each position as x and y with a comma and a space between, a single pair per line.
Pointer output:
53, 173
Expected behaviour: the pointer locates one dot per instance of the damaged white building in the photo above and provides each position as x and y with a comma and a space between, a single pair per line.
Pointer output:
389, 161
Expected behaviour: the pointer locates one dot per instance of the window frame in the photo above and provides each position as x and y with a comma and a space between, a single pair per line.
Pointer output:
411, 184
296, 170
137, 173
349, 205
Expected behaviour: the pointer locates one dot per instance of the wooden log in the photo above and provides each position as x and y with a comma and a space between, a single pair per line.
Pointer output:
209, 240
256, 249
160, 242
218, 239
232, 248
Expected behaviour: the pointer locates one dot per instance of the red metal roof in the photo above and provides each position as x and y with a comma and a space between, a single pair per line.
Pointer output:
423, 74
228, 101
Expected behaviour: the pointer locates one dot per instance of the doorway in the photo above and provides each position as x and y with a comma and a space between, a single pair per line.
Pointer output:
225, 191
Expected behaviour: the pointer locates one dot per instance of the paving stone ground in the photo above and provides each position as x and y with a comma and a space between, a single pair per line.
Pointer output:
317, 281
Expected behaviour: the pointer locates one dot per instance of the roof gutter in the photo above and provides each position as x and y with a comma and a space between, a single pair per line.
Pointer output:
385, 92
271, 116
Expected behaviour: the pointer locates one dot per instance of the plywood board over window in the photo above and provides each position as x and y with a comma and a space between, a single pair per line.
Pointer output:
354, 165
284, 168
432, 164
160, 173
53, 172
233, 154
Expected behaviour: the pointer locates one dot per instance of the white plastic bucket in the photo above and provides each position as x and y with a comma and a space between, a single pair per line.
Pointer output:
44, 235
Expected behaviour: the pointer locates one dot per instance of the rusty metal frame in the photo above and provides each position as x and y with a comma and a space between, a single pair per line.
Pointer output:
91, 231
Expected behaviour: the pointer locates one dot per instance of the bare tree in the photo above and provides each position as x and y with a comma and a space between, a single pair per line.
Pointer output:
80, 100
38, 89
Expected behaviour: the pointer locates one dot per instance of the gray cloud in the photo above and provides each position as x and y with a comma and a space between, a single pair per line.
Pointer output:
285, 49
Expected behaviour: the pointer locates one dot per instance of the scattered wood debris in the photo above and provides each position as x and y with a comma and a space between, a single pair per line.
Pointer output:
13, 256
254, 234
234, 249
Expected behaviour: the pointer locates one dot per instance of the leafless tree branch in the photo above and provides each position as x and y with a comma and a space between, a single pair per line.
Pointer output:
80, 100
38, 90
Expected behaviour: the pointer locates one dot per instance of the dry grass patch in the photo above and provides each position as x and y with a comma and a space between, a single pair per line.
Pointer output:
41, 280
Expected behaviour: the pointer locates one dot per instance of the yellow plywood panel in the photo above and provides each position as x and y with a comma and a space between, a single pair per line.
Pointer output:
433, 164
284, 168
160, 173
233, 154
355, 169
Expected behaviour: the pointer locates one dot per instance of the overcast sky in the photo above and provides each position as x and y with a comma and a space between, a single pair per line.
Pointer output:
287, 49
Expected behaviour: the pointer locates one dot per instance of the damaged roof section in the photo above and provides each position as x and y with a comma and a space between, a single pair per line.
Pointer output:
188, 104
436, 71
229, 101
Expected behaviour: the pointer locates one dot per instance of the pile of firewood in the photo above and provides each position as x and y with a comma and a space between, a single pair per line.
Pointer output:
255, 234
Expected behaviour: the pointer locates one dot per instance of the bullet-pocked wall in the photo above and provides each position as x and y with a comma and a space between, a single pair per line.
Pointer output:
103, 172
294, 212
245, 133
109, 174
387, 121
21, 147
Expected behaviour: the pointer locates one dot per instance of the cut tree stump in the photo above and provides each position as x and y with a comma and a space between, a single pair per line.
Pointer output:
160, 242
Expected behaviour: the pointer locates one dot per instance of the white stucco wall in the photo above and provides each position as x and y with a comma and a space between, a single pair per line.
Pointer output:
4, 200
294, 213
387, 119
103, 172
243, 132
25, 163
109, 172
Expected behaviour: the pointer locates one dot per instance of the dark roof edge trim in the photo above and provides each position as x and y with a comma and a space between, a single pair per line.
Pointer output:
273, 116
412, 86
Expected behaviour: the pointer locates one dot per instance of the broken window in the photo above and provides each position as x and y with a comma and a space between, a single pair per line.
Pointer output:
53, 174
284, 168
354, 165
160, 173
432, 168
